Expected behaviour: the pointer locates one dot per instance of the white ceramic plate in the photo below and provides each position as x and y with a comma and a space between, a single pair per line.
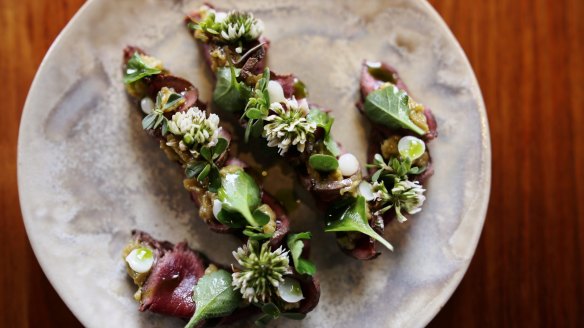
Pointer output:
88, 174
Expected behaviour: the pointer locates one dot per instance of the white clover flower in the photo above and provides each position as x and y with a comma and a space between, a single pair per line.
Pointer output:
288, 126
379, 191
233, 31
256, 29
195, 127
407, 195
262, 270
240, 25
220, 16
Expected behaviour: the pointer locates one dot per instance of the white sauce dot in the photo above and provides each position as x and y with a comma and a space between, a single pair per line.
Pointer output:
290, 290
366, 190
140, 260
276, 92
411, 147
147, 105
216, 207
348, 164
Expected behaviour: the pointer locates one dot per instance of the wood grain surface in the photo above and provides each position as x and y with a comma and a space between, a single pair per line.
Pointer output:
528, 56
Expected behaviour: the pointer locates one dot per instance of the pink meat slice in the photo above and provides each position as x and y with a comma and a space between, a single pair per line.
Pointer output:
169, 287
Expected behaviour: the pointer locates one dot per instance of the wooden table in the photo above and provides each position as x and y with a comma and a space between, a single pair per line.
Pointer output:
528, 56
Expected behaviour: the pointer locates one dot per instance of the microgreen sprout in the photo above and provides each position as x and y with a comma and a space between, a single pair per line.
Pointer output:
395, 168
258, 106
166, 101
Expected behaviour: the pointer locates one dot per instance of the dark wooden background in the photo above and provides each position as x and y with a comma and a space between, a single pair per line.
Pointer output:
528, 56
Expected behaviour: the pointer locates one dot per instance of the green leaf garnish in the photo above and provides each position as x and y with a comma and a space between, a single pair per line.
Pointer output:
295, 245
395, 168
206, 153
256, 233
331, 146
166, 100
231, 219
322, 162
390, 106
193, 170
208, 168
240, 193
229, 94
219, 148
272, 312
214, 297
136, 69
353, 217
294, 315
321, 118
204, 172
324, 120
257, 107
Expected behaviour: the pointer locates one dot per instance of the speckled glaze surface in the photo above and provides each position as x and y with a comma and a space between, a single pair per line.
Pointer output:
88, 174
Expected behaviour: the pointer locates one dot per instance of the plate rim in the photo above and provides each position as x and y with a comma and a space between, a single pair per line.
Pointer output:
481, 206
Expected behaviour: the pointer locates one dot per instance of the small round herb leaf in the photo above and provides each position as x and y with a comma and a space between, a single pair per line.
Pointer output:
149, 120
263, 320
324, 163
296, 245
220, 147
256, 233
271, 309
204, 173
206, 153
214, 179
261, 217
294, 316
230, 219
193, 169
253, 113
